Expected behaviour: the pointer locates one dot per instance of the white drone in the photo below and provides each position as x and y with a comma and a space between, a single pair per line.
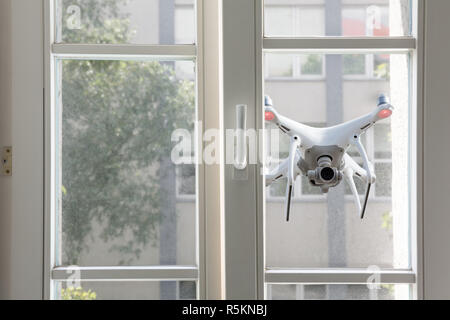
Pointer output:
321, 153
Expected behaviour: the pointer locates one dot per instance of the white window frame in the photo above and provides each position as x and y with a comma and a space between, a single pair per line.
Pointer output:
248, 220
350, 44
25, 232
206, 273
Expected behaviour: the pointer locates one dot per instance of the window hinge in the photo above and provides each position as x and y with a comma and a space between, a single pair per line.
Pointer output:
7, 161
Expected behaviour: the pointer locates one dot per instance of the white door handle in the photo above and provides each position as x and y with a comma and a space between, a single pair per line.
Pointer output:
240, 158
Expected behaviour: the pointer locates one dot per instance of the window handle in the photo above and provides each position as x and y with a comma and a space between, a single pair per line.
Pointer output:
240, 159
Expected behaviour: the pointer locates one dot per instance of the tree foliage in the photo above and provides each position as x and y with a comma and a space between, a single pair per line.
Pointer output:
117, 120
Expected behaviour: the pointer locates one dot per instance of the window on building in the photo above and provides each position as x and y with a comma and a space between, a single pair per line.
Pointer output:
117, 213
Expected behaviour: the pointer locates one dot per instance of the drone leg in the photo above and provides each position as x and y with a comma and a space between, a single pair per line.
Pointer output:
291, 173
348, 174
288, 202
362, 152
363, 211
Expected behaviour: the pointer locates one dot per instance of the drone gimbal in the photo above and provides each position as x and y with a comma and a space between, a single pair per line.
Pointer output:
321, 155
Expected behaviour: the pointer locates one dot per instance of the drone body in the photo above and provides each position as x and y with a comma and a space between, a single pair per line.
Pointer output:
321, 155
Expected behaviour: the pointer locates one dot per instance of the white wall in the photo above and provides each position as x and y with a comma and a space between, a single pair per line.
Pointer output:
437, 151
21, 125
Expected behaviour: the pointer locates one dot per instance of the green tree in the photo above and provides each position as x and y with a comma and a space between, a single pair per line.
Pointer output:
117, 120
72, 293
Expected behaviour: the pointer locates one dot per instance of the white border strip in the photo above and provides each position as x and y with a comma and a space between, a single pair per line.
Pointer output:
347, 43
124, 49
126, 273
339, 276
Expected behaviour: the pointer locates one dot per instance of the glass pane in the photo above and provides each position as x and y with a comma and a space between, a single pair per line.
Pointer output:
383, 187
186, 179
377, 18
354, 64
126, 21
383, 141
126, 290
325, 230
311, 64
338, 292
116, 187
280, 65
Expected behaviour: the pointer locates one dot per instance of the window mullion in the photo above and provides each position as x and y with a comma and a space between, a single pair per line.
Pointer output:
340, 43
127, 273
124, 50
317, 276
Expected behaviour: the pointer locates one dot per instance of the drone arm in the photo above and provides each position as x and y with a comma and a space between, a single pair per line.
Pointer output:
356, 169
279, 172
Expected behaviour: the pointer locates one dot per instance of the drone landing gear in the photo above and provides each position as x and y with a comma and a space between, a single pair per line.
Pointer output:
291, 174
369, 175
288, 204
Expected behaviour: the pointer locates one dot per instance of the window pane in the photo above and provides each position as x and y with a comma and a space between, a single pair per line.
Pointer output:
310, 21
126, 21
311, 64
279, 21
280, 65
381, 66
116, 184
354, 64
186, 179
337, 18
326, 231
383, 186
126, 290
278, 188
293, 66
338, 292
383, 141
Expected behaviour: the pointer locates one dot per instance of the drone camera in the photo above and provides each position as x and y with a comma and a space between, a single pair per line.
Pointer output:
325, 175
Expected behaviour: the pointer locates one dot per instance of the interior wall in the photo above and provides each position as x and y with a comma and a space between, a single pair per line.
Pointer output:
21, 126
436, 151
5, 140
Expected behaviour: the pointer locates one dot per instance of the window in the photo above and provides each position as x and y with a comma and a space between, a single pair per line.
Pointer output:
325, 238
186, 176
348, 19
125, 22
127, 222
122, 228
360, 19
285, 66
